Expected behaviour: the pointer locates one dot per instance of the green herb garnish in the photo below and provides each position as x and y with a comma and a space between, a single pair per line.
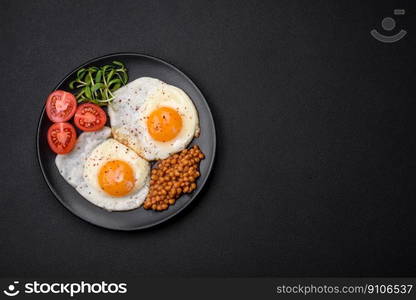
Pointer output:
97, 85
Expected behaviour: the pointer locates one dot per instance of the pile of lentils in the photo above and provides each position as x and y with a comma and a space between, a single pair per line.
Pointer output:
173, 177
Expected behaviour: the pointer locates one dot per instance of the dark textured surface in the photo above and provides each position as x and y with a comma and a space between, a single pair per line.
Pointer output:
315, 124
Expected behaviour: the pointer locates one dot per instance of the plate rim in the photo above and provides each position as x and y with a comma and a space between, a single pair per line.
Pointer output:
213, 144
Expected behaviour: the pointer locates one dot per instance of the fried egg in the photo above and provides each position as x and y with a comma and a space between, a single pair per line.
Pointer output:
105, 172
153, 118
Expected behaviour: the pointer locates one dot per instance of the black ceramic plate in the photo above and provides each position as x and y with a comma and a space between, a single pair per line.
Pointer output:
138, 65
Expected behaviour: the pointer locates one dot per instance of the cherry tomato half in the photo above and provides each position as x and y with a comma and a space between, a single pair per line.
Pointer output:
90, 117
61, 137
60, 106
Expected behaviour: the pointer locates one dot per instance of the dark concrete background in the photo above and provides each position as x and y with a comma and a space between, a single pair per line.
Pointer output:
316, 142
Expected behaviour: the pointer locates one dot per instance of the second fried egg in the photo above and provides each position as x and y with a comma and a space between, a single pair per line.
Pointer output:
153, 118
105, 172
116, 177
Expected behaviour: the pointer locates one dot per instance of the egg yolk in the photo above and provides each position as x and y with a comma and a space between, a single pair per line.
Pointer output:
116, 178
164, 124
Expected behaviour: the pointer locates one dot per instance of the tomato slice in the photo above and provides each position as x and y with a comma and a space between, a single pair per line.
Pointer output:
60, 106
62, 137
90, 117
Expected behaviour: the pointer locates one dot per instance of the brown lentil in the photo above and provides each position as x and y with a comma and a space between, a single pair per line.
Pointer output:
173, 176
